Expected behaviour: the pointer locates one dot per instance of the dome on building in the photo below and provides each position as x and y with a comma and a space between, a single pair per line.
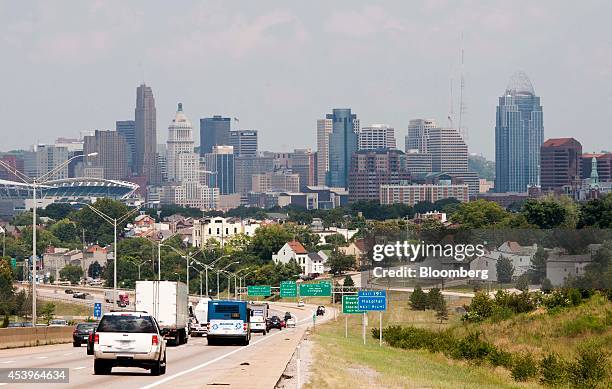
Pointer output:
180, 120
519, 84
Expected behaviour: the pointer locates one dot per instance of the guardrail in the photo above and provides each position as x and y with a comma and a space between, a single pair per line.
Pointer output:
34, 336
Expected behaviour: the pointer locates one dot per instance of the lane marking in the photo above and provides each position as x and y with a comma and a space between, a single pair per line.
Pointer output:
79, 368
182, 373
67, 354
42, 357
3, 383
8, 361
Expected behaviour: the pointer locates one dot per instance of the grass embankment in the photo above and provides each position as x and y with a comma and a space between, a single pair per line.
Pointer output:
340, 362
346, 362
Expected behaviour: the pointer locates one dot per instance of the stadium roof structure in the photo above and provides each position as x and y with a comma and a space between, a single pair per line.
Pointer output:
69, 189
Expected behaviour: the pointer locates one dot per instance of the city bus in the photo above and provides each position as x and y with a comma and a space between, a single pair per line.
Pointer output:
228, 320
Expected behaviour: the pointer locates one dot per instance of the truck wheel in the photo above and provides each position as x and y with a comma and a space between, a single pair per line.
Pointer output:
186, 338
75, 344
162, 370
246, 341
211, 341
156, 369
101, 368
265, 332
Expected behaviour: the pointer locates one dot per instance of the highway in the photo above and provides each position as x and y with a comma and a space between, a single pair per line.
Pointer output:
195, 364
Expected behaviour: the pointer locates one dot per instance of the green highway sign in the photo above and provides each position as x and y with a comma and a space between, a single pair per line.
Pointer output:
288, 289
13, 263
350, 304
319, 289
259, 290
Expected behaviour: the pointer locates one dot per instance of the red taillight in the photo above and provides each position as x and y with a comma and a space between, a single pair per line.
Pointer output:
208, 326
74, 332
96, 338
244, 326
154, 340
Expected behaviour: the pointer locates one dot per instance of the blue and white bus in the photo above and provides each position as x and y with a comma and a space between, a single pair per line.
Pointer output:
228, 319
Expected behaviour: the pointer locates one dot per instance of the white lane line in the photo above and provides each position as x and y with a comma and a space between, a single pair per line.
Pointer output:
8, 362
42, 357
79, 368
179, 374
67, 354
3, 383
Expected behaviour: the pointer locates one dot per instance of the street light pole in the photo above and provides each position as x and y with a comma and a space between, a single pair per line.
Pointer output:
115, 260
159, 261
34, 257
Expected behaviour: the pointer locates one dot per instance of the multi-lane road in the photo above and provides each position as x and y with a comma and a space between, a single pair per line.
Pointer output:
195, 364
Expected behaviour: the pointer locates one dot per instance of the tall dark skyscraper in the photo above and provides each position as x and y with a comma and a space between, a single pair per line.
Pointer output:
127, 129
220, 167
214, 131
560, 165
519, 134
342, 145
146, 134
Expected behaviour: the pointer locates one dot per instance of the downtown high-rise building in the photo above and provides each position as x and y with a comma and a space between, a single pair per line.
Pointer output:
372, 168
324, 128
342, 144
146, 135
111, 161
418, 134
303, 163
127, 129
376, 137
244, 142
48, 158
519, 134
219, 169
182, 162
214, 131
560, 164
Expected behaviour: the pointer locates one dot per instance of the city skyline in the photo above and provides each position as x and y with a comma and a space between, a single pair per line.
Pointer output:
301, 40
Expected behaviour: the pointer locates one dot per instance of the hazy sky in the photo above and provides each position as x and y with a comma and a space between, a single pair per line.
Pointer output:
279, 65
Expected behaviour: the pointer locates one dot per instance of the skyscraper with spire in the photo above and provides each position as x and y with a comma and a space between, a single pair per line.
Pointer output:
145, 160
180, 156
519, 134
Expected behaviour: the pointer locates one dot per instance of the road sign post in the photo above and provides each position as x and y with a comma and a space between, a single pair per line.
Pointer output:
350, 306
373, 300
97, 311
259, 290
317, 289
288, 289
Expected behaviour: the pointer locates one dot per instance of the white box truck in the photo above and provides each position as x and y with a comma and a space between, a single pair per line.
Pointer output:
259, 315
167, 302
200, 313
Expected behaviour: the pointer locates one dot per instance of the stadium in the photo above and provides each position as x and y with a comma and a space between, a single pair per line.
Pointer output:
16, 197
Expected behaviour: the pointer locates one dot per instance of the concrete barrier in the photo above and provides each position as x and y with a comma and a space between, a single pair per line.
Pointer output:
34, 336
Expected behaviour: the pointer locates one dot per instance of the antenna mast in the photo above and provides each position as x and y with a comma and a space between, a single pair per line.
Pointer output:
462, 130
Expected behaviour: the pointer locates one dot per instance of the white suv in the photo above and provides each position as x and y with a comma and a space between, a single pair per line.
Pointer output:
129, 339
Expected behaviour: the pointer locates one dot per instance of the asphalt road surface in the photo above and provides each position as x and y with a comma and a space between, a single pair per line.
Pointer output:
194, 364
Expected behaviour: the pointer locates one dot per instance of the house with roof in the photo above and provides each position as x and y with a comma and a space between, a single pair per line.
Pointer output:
310, 263
560, 266
520, 256
357, 249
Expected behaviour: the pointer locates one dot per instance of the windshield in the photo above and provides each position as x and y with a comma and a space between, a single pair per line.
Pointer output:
86, 326
133, 324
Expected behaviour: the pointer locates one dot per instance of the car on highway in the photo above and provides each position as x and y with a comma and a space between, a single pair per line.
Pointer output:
81, 333
58, 323
129, 339
287, 316
320, 310
275, 322
290, 322
80, 295
68, 291
300, 303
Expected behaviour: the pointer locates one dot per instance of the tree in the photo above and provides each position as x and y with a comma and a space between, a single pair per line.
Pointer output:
537, 270
522, 283
418, 299
267, 240
546, 286
56, 211
6, 288
335, 240
545, 214
47, 311
435, 299
597, 213
96, 228
24, 219
94, 270
442, 311
304, 235
505, 269
479, 214
65, 230
348, 281
72, 273
340, 262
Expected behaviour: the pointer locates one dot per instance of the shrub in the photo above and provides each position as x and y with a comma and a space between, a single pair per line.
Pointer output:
584, 323
546, 286
524, 367
481, 307
553, 371
471, 347
574, 296
500, 358
418, 299
590, 369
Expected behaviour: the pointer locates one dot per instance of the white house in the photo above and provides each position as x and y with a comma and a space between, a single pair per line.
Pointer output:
221, 229
560, 266
520, 256
310, 263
